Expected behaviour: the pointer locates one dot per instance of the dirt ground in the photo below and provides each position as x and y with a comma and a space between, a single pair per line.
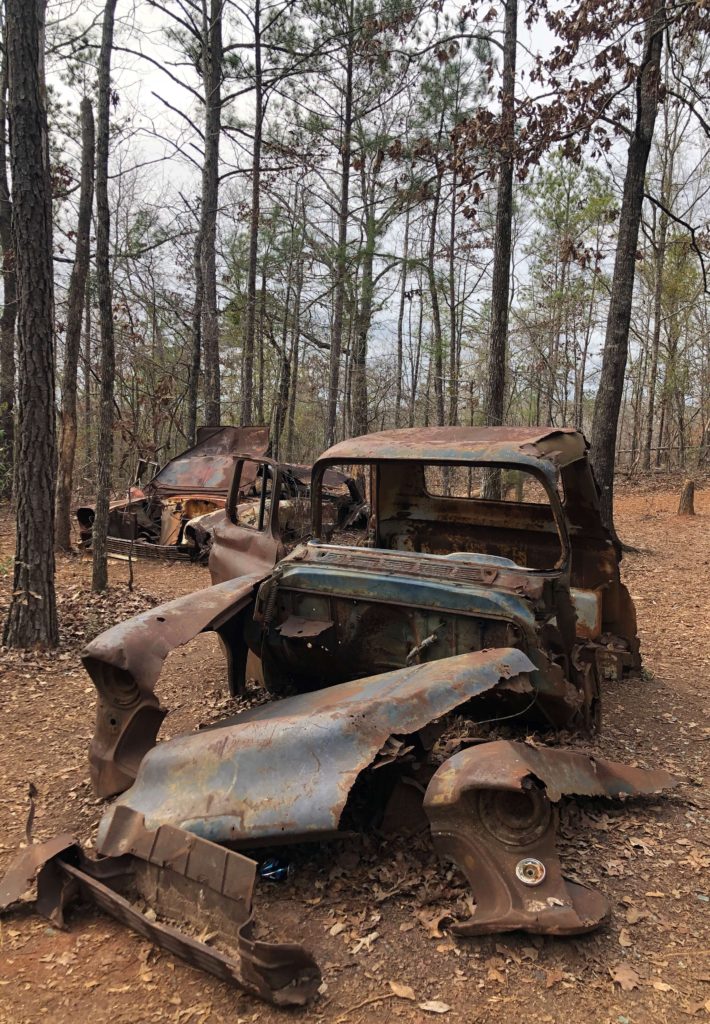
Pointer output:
375, 912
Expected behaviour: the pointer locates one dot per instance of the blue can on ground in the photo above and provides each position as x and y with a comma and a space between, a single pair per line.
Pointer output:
275, 870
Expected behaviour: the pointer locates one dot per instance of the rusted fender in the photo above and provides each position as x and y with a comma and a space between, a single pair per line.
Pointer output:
563, 772
183, 878
491, 812
283, 771
125, 662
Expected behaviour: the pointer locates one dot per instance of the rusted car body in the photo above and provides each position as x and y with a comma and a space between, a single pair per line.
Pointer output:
176, 514
150, 521
450, 603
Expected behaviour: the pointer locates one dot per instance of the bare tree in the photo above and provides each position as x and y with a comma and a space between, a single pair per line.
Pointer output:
9, 306
616, 344
103, 282
32, 617
494, 399
211, 60
75, 311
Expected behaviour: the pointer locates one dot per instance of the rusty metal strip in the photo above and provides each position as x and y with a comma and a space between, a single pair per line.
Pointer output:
188, 878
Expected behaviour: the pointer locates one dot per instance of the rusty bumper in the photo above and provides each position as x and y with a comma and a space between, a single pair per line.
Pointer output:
491, 812
183, 878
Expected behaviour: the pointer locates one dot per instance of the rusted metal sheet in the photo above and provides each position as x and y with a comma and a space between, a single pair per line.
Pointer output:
490, 811
207, 467
27, 864
283, 771
515, 446
184, 878
125, 662
298, 626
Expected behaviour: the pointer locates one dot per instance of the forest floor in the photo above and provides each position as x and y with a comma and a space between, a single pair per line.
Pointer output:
374, 912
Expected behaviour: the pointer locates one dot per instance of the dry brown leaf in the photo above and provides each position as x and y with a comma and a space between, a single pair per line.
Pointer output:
553, 978
662, 986
625, 938
402, 991
433, 924
625, 976
434, 1006
635, 914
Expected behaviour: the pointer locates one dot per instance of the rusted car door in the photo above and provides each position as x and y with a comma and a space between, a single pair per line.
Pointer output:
248, 539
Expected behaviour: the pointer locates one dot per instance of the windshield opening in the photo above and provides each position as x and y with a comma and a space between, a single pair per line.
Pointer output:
446, 510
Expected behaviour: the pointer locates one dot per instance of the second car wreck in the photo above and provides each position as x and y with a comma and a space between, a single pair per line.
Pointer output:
448, 606
225, 478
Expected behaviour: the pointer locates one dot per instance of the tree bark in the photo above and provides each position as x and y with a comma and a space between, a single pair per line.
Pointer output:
400, 321
193, 376
9, 307
75, 314
438, 353
212, 78
87, 371
453, 320
494, 396
104, 446
686, 506
250, 320
659, 262
616, 345
32, 616
336, 340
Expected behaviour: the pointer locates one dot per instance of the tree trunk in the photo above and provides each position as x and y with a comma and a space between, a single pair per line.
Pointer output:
193, 375
212, 78
494, 398
336, 340
400, 321
259, 335
104, 446
250, 319
616, 345
9, 307
687, 499
75, 315
438, 354
656, 341
87, 371
295, 346
32, 616
453, 320
367, 291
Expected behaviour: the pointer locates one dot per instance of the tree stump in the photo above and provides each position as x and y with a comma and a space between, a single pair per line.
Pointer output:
687, 496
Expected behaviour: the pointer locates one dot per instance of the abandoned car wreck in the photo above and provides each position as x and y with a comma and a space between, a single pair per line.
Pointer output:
174, 516
482, 585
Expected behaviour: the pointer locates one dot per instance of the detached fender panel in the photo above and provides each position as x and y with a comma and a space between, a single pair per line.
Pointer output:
491, 812
283, 771
125, 663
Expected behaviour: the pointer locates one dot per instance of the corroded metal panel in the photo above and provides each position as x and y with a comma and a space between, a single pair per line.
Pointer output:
284, 770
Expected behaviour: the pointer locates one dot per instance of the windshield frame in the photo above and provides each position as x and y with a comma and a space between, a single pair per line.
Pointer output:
548, 480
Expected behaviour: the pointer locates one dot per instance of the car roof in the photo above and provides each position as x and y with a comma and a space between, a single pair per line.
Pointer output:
542, 448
